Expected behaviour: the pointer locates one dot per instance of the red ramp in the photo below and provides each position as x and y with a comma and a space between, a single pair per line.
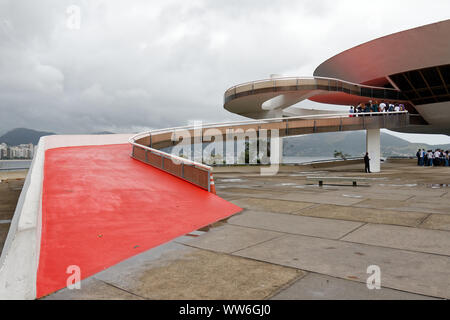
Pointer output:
100, 207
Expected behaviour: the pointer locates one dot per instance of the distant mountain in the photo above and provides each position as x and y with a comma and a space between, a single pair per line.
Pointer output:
22, 136
352, 143
103, 132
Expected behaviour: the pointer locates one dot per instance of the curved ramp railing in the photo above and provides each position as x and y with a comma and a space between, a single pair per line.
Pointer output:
146, 145
311, 83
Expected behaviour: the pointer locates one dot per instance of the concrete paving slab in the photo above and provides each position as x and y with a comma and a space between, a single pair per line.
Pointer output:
437, 222
248, 191
410, 189
436, 204
318, 198
180, 272
420, 273
321, 287
272, 205
6, 215
4, 228
414, 239
396, 206
12, 175
446, 195
231, 238
318, 227
364, 215
93, 289
367, 194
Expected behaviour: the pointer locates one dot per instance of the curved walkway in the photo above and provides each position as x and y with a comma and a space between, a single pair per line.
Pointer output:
147, 145
257, 98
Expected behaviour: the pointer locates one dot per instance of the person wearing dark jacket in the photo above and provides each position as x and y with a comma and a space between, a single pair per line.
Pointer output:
367, 163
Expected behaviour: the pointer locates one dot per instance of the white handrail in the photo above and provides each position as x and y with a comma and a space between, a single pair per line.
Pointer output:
307, 78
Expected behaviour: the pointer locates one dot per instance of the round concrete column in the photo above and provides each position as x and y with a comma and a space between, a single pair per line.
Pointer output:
280, 151
373, 148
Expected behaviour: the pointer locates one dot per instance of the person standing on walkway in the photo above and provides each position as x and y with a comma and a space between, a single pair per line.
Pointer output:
367, 163
430, 158
422, 157
418, 155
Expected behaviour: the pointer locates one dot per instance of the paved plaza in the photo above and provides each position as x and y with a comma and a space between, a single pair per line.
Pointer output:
296, 240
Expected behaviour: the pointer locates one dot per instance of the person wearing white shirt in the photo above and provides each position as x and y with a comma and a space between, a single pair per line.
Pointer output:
352, 110
397, 108
430, 158
383, 106
422, 157
437, 157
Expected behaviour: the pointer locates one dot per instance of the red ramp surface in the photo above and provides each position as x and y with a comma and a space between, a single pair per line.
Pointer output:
100, 207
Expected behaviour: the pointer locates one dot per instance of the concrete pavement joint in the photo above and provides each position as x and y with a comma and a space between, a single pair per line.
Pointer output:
252, 245
393, 248
352, 231
121, 289
424, 219
287, 285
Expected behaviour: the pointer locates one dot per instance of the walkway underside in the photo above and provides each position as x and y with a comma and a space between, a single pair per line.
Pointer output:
100, 206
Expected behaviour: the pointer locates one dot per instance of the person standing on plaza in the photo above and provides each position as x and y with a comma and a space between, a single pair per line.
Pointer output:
422, 157
430, 158
367, 163
418, 155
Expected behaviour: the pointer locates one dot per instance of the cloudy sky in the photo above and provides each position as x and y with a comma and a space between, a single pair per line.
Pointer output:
135, 64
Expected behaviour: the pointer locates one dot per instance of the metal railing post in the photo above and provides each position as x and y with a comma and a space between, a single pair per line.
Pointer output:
209, 181
182, 170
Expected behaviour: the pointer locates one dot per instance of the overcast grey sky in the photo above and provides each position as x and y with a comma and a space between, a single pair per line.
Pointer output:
145, 64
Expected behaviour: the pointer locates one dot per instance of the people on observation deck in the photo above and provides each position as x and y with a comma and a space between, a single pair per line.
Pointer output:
371, 106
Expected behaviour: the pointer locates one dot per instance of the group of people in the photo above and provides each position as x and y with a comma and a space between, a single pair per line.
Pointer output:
432, 158
376, 107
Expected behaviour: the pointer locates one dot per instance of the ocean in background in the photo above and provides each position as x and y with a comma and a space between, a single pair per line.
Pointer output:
10, 165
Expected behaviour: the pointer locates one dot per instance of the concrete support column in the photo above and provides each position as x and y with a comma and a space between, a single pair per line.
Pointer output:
280, 151
373, 148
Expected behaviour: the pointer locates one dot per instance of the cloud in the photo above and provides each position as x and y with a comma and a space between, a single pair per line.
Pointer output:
139, 64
